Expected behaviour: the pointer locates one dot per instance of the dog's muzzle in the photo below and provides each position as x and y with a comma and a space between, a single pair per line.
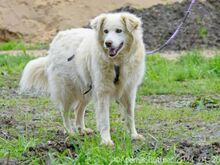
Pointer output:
114, 51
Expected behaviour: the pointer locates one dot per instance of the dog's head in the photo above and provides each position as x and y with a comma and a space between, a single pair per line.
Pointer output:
115, 31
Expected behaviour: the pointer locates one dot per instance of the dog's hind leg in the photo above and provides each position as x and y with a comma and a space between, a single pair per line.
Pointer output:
65, 109
79, 115
62, 94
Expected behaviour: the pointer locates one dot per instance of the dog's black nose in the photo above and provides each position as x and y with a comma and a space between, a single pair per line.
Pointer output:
108, 44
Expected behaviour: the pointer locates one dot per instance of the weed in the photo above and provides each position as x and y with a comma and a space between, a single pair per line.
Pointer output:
203, 32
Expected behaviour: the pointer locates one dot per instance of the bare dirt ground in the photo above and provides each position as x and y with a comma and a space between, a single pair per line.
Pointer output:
181, 101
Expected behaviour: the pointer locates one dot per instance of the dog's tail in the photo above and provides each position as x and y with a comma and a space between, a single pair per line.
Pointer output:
35, 76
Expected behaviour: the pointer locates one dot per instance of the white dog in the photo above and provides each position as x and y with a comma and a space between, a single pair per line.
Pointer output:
105, 63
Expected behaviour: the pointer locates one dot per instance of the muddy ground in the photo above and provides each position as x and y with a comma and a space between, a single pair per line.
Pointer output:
184, 101
187, 149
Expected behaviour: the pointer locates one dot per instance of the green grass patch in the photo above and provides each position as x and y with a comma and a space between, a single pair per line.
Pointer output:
18, 45
161, 123
11, 68
191, 73
14, 148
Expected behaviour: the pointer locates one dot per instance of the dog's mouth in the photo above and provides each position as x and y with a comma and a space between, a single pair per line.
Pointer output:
114, 51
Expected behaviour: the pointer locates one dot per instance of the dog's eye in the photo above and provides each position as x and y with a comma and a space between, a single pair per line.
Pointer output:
106, 31
118, 31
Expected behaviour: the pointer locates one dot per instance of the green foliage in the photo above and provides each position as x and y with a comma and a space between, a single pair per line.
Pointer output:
205, 102
14, 148
203, 32
191, 73
11, 68
214, 66
18, 45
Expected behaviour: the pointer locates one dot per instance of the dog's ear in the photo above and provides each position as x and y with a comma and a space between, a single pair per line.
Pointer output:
97, 22
130, 21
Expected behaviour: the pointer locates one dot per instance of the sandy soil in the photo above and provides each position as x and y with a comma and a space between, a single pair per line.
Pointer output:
39, 20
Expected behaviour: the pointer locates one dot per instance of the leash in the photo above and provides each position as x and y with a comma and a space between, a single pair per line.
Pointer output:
175, 32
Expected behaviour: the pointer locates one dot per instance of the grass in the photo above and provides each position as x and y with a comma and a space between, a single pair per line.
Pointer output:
18, 45
192, 73
35, 120
11, 68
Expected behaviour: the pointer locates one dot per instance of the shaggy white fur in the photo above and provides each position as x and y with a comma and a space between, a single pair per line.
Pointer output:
115, 39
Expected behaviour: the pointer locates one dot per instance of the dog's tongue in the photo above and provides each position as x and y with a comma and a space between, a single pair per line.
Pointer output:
112, 52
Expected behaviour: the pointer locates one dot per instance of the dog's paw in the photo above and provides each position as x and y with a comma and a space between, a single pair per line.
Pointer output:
86, 131
137, 137
109, 143
69, 132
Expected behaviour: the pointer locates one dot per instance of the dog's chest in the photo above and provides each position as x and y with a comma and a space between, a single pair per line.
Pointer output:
118, 78
112, 79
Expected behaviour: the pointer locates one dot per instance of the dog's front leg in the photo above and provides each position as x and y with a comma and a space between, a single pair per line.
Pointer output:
128, 101
102, 119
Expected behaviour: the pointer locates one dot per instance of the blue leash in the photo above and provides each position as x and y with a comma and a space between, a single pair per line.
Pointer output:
176, 31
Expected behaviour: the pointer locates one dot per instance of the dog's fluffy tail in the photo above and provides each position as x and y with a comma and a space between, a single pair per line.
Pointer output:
34, 75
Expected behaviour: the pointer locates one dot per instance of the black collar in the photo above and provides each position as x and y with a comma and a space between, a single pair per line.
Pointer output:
117, 73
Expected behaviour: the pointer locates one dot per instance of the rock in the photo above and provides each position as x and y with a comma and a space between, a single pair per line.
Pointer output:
7, 35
